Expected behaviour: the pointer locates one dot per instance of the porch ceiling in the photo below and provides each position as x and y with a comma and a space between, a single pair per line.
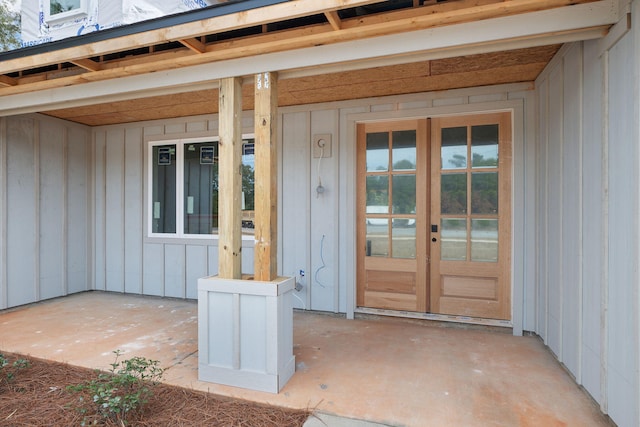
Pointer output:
522, 65
276, 28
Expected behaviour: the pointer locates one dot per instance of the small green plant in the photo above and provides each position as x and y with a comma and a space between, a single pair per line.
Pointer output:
8, 370
121, 391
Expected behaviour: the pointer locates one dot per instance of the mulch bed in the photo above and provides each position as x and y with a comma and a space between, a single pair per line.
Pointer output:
38, 396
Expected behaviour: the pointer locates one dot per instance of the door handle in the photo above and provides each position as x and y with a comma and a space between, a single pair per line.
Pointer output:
433, 239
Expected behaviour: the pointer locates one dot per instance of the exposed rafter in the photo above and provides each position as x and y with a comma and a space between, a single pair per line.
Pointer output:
87, 64
253, 17
20, 79
7, 81
334, 19
194, 44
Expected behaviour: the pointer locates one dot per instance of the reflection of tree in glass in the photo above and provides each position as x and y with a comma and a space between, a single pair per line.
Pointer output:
57, 7
480, 161
484, 193
404, 189
214, 193
377, 190
248, 187
458, 161
453, 193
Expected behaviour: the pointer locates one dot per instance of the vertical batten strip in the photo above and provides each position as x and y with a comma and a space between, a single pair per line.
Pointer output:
604, 304
3, 214
581, 141
230, 179
266, 177
65, 211
90, 171
36, 191
236, 326
308, 205
123, 209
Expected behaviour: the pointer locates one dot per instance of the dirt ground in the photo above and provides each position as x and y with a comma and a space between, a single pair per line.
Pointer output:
38, 396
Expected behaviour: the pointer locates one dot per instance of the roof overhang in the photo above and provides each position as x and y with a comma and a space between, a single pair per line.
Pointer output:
428, 32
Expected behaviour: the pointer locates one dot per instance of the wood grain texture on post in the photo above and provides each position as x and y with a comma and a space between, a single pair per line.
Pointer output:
230, 179
266, 202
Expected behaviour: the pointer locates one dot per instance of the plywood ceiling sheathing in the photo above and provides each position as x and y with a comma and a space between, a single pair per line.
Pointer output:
521, 65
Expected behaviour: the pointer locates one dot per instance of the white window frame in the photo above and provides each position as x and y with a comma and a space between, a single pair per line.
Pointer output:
49, 18
180, 144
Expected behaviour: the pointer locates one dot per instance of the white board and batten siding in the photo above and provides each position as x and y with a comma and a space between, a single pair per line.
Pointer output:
316, 231
126, 259
45, 225
319, 229
589, 218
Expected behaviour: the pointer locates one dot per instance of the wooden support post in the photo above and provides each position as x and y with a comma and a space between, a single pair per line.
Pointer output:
230, 179
266, 198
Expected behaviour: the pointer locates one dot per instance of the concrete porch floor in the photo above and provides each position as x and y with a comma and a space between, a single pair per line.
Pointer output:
390, 371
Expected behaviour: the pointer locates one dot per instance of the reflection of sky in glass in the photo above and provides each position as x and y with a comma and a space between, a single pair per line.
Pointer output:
455, 156
377, 151
404, 150
377, 160
404, 158
484, 156
248, 159
484, 146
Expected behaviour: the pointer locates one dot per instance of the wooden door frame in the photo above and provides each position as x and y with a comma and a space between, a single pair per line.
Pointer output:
505, 232
515, 132
422, 127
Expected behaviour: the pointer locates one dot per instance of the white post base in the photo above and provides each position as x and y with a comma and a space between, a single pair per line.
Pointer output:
245, 332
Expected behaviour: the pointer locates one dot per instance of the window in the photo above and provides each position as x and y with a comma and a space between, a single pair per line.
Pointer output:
62, 9
183, 187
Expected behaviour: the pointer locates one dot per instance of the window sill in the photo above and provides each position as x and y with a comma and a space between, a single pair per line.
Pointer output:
248, 241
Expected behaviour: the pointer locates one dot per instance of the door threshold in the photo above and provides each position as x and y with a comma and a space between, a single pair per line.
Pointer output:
436, 317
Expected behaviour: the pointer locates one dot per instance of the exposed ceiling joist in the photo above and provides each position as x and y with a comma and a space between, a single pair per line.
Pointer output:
7, 81
413, 19
334, 19
87, 64
228, 22
194, 44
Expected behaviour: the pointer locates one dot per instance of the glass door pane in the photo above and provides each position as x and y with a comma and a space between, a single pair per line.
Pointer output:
404, 150
377, 152
453, 239
484, 146
469, 193
390, 185
377, 237
484, 240
454, 148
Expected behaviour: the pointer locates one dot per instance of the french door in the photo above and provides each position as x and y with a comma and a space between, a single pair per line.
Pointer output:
434, 215
392, 215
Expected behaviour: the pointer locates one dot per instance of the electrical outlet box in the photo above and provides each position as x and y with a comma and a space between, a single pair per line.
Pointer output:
321, 145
